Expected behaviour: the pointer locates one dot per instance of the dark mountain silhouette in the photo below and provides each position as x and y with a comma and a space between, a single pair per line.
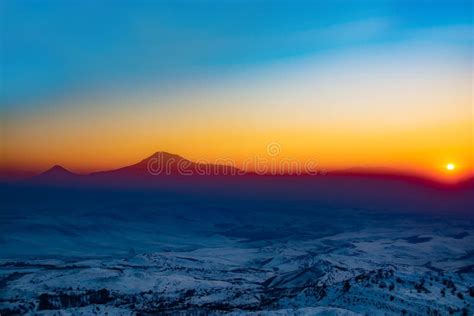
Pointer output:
164, 164
57, 170
56, 174
175, 174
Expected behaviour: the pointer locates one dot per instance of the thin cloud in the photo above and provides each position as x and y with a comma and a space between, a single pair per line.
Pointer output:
450, 33
349, 31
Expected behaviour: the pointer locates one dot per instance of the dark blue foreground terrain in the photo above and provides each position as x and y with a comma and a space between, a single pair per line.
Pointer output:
234, 250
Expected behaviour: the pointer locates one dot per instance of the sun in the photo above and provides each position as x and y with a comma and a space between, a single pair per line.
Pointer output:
450, 167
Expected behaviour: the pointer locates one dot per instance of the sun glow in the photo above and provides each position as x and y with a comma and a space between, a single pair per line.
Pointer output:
450, 167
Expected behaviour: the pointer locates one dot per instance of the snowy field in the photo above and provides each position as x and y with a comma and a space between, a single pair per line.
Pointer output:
66, 252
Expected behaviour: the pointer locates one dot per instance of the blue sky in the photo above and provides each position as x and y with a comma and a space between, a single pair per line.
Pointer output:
52, 49
94, 85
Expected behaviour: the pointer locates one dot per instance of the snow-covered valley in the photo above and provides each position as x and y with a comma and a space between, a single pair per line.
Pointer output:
155, 256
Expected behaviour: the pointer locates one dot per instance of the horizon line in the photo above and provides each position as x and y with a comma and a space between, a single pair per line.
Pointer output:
13, 174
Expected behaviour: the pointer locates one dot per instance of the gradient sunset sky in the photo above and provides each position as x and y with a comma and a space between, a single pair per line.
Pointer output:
95, 85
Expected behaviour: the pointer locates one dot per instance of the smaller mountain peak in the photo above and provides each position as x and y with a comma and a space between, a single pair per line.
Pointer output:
54, 174
57, 169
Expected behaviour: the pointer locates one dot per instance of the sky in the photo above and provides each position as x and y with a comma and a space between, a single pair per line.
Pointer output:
95, 85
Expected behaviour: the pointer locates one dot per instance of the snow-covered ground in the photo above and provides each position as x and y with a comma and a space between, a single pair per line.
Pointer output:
149, 256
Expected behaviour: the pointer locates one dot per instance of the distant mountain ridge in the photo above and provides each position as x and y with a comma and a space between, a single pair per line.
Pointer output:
173, 174
164, 166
